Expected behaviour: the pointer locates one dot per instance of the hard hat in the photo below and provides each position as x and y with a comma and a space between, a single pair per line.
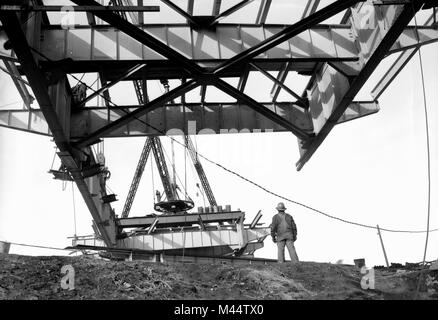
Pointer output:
281, 207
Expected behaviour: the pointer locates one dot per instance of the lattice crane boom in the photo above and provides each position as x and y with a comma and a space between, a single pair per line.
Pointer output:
200, 170
154, 143
137, 177
169, 188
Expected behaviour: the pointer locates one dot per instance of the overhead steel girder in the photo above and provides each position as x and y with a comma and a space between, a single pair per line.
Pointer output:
137, 177
54, 101
54, 8
311, 7
177, 119
144, 38
332, 92
261, 47
287, 33
103, 48
199, 73
207, 47
393, 71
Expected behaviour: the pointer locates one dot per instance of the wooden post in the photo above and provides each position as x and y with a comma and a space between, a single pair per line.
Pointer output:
4, 247
383, 246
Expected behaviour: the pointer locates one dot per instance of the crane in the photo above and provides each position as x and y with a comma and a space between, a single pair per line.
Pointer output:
137, 177
154, 144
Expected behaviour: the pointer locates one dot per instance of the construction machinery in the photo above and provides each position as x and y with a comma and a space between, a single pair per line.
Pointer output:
336, 48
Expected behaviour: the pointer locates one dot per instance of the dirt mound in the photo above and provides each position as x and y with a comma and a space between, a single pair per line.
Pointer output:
24, 277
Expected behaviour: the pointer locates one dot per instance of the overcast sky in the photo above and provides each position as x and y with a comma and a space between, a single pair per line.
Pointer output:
371, 170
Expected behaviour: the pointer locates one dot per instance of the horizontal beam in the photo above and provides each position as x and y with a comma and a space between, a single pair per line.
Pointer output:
37, 8
97, 43
332, 92
95, 49
286, 33
179, 220
139, 35
176, 119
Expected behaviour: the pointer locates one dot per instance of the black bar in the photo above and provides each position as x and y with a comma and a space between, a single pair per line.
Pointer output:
80, 8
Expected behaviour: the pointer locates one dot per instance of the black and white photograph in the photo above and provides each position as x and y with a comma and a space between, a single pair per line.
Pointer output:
216, 158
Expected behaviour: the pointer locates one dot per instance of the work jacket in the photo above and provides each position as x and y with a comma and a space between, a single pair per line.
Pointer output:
276, 220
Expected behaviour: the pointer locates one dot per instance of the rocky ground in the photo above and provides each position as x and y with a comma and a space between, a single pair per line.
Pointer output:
26, 277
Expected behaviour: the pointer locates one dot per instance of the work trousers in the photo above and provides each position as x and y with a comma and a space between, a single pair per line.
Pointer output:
290, 247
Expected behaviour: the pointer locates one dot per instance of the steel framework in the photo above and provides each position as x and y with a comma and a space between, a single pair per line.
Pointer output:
202, 52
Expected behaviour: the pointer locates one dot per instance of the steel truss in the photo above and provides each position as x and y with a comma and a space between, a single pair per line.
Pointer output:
338, 58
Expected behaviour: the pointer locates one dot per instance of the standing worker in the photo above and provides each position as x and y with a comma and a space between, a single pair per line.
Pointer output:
284, 233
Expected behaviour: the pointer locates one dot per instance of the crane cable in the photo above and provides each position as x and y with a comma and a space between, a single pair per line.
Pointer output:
254, 183
426, 119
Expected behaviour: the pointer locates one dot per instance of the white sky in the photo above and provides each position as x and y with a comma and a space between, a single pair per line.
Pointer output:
371, 170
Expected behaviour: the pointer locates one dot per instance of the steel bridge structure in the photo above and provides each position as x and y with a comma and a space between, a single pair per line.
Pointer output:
337, 46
